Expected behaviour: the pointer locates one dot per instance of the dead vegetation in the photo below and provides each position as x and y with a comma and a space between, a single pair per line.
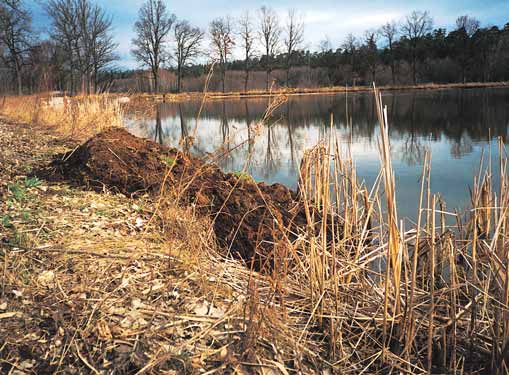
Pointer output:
76, 117
94, 282
275, 92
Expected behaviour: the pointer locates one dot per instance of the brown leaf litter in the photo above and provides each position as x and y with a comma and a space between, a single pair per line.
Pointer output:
101, 283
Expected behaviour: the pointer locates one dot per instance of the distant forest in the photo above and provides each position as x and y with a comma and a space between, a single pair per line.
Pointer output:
256, 51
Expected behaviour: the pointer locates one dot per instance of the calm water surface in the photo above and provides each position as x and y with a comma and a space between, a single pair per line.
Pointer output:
456, 125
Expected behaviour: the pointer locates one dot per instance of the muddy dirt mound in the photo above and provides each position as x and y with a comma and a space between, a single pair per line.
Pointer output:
248, 218
117, 160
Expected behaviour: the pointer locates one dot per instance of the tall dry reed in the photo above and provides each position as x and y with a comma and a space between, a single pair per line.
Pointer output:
73, 116
360, 289
366, 292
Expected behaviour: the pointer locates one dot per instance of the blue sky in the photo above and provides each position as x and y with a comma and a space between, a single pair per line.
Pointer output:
323, 18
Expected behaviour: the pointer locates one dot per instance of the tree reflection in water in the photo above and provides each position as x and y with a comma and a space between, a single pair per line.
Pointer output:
185, 141
158, 133
272, 159
291, 143
454, 124
250, 135
226, 147
412, 150
461, 148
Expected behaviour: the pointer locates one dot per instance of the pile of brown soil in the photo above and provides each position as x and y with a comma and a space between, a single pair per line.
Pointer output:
248, 218
116, 160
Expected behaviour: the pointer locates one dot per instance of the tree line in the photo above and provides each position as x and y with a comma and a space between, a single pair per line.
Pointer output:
78, 54
408, 51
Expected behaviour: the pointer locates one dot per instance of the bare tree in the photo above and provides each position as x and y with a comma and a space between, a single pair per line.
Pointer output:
294, 37
65, 32
97, 31
269, 35
81, 43
328, 60
221, 34
15, 35
43, 61
469, 24
152, 30
187, 47
325, 45
414, 28
371, 52
461, 43
350, 47
83, 31
246, 34
389, 32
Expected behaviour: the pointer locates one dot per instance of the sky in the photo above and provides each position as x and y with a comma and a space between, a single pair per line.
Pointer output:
324, 19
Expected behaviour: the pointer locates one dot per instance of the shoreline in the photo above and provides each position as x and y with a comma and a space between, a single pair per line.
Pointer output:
172, 97
95, 280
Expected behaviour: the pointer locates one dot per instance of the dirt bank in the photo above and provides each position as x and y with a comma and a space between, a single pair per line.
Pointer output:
316, 91
248, 218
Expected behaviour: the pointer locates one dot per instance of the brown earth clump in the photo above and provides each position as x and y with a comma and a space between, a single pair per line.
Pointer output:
248, 218
116, 160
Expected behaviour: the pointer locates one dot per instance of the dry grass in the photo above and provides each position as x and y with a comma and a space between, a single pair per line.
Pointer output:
77, 117
388, 298
359, 291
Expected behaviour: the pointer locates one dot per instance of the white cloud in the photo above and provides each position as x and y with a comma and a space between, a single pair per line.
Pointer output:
330, 19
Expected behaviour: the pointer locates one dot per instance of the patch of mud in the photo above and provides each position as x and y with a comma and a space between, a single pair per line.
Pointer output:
248, 218
116, 160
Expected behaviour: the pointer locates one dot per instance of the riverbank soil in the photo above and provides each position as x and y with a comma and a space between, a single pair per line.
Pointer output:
248, 218
182, 97
116, 258
96, 283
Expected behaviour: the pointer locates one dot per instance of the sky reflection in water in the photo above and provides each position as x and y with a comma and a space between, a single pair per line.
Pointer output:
456, 125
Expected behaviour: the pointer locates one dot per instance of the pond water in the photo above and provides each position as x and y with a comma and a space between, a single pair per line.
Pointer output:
457, 126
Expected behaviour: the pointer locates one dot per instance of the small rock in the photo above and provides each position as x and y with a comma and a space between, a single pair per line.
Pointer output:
139, 222
17, 293
201, 308
46, 278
